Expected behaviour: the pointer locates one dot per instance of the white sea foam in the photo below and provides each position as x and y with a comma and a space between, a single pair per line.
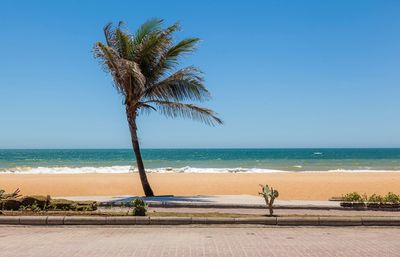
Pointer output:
67, 170
361, 171
188, 169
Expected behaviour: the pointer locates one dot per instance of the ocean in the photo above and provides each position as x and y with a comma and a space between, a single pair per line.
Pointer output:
200, 160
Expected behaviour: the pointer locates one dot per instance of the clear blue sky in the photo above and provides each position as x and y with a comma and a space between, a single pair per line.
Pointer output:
282, 74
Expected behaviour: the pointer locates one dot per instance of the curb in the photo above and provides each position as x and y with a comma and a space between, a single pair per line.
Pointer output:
344, 221
131, 220
296, 221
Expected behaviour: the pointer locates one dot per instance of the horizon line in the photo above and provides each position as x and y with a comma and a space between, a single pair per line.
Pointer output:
199, 148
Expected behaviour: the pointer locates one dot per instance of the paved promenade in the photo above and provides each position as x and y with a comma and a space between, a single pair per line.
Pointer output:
209, 199
197, 241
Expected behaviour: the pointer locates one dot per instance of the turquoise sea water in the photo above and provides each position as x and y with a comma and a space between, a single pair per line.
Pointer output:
200, 160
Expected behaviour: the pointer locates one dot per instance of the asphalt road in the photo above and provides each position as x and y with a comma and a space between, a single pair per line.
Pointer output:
91, 241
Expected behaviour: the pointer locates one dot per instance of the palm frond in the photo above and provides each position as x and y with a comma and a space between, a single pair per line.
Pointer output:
122, 71
183, 47
170, 58
145, 108
147, 28
124, 44
152, 48
108, 34
185, 84
108, 60
190, 111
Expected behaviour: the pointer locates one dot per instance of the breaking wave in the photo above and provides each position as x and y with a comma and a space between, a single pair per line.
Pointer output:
131, 169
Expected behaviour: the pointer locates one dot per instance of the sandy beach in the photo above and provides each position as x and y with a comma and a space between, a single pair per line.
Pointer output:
295, 186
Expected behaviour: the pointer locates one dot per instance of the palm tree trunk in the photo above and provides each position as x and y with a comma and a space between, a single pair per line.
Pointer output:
135, 143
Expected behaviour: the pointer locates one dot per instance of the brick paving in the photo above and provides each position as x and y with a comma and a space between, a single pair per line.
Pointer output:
197, 241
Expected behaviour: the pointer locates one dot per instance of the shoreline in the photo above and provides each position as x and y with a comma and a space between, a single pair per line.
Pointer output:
291, 185
126, 169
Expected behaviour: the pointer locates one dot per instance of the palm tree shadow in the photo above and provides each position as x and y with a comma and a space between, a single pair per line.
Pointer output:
167, 199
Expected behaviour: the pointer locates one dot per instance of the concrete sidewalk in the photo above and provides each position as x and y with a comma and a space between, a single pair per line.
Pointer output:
197, 241
231, 201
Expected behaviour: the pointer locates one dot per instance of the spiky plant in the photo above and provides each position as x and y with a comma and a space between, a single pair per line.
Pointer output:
143, 66
4, 196
269, 194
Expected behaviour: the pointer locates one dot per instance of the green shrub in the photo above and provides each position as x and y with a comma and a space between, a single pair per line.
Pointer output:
375, 199
62, 205
391, 198
10, 204
139, 207
269, 194
40, 201
68, 205
9, 201
354, 197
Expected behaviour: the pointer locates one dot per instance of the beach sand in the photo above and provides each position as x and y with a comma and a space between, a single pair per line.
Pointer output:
292, 186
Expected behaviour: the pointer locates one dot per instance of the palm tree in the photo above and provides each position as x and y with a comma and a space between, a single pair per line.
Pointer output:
143, 66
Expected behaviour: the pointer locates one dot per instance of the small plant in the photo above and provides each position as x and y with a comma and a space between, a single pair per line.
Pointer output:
391, 198
269, 194
9, 201
4, 196
22, 208
354, 197
375, 199
139, 207
35, 207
